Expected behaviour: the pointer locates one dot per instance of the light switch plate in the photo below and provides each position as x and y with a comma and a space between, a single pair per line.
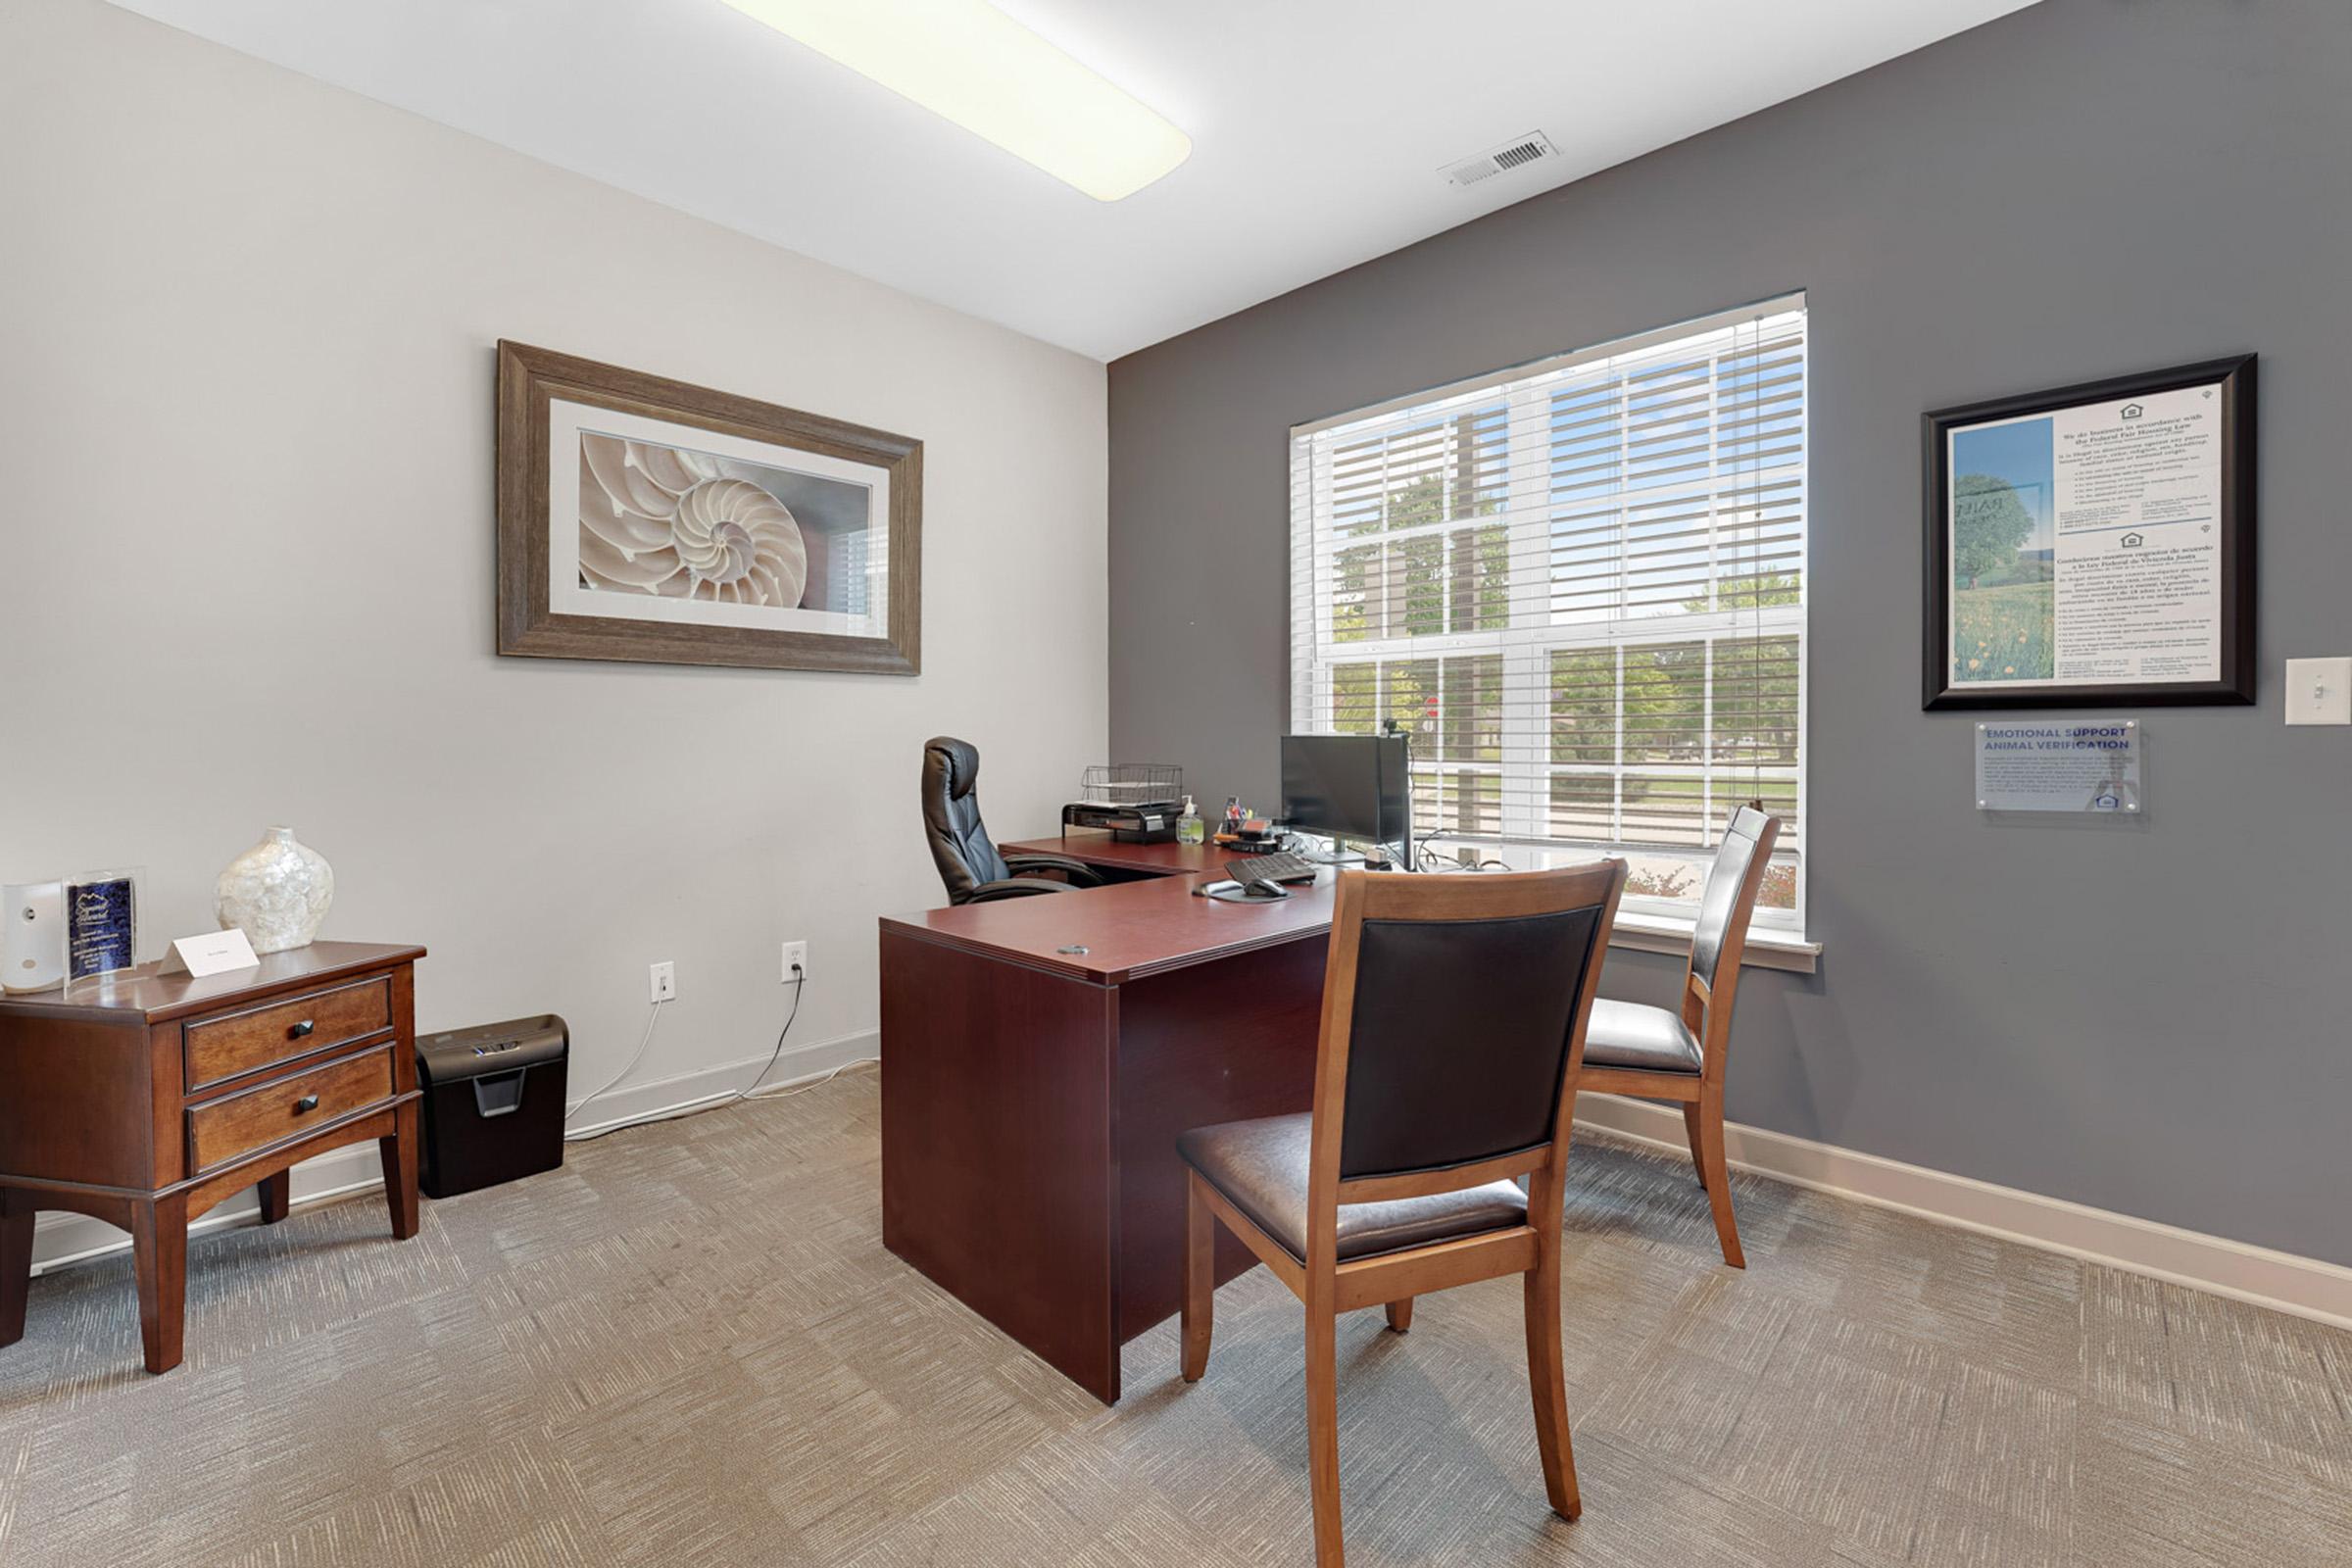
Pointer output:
2319, 691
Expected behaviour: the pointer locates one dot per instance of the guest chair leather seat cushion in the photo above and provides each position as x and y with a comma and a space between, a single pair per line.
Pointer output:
1261, 1166
1627, 1034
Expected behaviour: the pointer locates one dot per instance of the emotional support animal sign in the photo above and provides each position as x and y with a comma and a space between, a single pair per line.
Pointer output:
2058, 767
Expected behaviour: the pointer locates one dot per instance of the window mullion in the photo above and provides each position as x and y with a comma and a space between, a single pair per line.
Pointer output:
1526, 664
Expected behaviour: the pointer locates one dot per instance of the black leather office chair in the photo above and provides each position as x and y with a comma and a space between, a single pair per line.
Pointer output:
968, 863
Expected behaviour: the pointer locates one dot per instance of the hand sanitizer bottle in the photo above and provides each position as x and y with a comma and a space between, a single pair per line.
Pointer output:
1189, 830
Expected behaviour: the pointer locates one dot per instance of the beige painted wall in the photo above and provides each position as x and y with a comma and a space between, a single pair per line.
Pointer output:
246, 542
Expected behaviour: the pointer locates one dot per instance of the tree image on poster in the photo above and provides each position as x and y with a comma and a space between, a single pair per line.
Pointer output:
1989, 524
2004, 600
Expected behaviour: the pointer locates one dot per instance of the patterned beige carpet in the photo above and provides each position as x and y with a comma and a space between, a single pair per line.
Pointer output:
689, 1347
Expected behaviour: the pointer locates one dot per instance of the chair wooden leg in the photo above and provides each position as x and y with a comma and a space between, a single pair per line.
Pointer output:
1547, 1383
1693, 1123
1400, 1315
1323, 1429
1199, 1278
1717, 1175
16, 1263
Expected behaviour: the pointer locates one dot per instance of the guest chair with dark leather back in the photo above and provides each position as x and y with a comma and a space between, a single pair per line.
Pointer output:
1452, 1033
1658, 1054
968, 863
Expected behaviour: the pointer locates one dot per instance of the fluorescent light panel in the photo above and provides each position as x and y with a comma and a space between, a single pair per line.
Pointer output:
968, 62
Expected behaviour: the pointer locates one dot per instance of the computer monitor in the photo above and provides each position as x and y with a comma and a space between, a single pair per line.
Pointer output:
1347, 786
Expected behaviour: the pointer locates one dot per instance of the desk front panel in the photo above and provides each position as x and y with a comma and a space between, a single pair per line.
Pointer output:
1224, 1042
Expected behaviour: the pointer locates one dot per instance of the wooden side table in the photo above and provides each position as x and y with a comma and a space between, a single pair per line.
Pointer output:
146, 1100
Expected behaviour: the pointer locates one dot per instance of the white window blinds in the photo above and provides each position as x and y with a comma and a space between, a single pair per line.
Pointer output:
1580, 588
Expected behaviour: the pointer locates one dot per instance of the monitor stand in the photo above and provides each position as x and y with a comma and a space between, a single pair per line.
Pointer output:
1336, 856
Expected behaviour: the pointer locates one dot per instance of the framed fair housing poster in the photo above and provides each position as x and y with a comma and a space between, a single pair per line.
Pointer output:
2093, 546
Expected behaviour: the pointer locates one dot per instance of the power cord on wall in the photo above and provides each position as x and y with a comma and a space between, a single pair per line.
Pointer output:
652, 1018
751, 1091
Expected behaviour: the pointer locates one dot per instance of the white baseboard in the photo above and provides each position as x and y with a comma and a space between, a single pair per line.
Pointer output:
710, 1086
60, 1237
2305, 1287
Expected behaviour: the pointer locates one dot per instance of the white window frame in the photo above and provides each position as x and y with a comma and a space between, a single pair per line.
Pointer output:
1526, 646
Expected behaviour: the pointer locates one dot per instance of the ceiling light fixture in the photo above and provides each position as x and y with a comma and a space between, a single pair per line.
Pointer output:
968, 62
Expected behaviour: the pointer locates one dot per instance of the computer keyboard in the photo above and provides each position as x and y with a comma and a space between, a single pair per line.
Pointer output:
1271, 868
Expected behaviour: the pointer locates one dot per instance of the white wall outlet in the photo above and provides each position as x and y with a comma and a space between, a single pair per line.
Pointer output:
796, 958
2319, 691
663, 981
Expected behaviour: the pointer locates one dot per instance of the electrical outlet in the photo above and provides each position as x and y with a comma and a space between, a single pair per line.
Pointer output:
663, 981
796, 956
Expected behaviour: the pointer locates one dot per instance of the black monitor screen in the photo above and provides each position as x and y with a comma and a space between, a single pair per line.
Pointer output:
1347, 786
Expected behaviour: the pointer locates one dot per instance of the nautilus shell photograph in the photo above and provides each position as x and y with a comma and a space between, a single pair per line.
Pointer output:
678, 524
657, 521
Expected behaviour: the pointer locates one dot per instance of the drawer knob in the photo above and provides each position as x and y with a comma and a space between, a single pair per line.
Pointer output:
301, 1029
305, 1103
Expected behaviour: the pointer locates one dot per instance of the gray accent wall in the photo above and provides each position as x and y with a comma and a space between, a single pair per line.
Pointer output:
2141, 1015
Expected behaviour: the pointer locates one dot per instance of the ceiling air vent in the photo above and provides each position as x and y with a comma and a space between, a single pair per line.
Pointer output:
1517, 153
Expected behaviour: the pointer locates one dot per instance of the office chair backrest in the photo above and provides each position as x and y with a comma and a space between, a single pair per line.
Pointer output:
1720, 936
960, 842
1453, 1016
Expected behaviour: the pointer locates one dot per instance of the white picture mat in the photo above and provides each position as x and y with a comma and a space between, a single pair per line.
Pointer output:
564, 595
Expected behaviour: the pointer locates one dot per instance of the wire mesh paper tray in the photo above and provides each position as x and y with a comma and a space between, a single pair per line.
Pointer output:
1130, 784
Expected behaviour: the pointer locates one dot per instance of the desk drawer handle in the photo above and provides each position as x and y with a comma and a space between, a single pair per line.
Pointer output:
301, 1029
305, 1104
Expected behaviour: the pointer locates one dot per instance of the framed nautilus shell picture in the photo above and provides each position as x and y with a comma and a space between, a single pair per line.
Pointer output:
646, 520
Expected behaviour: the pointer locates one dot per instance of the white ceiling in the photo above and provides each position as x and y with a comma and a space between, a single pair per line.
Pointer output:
1317, 125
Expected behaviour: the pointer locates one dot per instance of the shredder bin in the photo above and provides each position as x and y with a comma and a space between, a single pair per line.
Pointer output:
493, 1107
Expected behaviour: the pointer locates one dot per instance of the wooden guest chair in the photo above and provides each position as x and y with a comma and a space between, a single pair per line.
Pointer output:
1454, 1025
1654, 1054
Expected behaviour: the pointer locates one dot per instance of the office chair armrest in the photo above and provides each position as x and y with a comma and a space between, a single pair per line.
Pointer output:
1018, 887
1077, 873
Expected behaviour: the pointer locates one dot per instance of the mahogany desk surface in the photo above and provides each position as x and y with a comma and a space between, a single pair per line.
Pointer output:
1129, 929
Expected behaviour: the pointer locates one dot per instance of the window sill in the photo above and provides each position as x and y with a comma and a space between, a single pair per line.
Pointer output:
1766, 948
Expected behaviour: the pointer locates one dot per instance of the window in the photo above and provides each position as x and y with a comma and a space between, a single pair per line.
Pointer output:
1579, 589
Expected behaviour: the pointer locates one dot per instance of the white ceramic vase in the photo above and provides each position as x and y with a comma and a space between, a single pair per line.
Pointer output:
278, 893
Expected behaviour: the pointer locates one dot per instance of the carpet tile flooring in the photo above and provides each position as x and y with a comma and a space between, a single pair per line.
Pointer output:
688, 1347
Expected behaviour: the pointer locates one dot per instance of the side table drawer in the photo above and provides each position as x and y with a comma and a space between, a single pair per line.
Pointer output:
219, 1048
254, 1118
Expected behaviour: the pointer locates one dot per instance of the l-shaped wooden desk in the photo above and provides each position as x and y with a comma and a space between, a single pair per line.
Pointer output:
1039, 1057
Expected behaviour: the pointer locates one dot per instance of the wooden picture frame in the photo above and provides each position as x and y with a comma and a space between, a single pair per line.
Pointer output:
2194, 588
720, 559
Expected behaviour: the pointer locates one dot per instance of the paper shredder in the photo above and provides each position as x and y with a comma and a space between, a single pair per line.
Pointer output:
492, 1106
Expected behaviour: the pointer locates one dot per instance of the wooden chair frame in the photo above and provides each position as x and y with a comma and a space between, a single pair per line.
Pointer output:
1706, 1012
1329, 1286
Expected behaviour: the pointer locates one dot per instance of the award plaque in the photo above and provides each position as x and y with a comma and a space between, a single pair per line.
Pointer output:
101, 923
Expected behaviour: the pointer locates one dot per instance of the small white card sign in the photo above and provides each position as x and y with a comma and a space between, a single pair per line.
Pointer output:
2062, 765
213, 953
